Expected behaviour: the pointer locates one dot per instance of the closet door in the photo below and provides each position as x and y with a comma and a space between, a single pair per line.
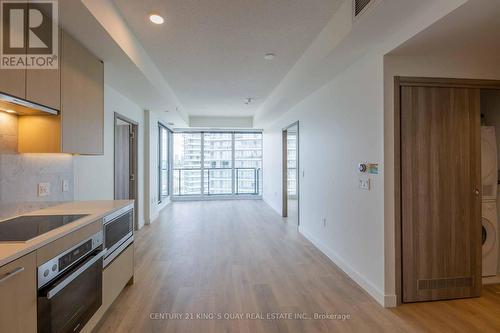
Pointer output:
440, 194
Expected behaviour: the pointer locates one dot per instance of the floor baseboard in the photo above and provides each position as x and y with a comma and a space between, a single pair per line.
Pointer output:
384, 300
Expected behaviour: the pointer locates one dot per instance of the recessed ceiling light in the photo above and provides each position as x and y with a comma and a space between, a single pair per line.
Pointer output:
270, 56
156, 19
10, 111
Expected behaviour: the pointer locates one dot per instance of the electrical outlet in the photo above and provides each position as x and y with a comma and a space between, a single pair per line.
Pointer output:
65, 185
43, 189
364, 184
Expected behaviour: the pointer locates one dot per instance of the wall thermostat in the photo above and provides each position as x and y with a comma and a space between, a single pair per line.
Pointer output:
371, 168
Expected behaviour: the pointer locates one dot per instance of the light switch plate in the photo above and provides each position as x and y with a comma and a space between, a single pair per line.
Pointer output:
364, 184
65, 185
43, 189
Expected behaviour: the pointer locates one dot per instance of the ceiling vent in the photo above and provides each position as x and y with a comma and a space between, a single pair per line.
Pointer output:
359, 7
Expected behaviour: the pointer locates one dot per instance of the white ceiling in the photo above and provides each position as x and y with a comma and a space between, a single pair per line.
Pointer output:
209, 55
120, 71
212, 52
472, 29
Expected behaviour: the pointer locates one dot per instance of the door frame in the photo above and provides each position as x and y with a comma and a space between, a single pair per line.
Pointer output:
400, 81
134, 149
161, 126
284, 154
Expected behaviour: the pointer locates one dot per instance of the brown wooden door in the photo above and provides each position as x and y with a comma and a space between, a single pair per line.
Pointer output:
440, 178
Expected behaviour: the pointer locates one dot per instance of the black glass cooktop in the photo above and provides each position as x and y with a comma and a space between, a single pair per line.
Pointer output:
24, 228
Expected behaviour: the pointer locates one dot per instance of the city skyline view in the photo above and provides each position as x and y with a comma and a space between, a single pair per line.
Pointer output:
217, 163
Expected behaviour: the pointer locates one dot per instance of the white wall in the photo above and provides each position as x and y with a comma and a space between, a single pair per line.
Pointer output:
221, 122
152, 207
338, 129
94, 175
341, 124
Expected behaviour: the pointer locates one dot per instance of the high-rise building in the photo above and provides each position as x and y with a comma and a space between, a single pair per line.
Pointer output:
292, 164
218, 174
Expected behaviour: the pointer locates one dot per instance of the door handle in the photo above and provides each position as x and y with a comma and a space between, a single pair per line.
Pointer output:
11, 274
476, 191
54, 291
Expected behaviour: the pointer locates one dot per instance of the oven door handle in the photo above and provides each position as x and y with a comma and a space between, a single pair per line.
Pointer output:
60, 286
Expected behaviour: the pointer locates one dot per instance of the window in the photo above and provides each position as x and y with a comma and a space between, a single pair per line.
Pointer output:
292, 164
163, 162
217, 163
218, 160
187, 164
248, 162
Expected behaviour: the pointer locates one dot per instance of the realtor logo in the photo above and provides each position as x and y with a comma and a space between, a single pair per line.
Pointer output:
29, 34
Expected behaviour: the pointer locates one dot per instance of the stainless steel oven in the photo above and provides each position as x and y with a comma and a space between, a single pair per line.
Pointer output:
70, 287
118, 229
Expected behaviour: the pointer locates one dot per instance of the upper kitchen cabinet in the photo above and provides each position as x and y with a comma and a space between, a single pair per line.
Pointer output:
13, 81
43, 86
79, 128
40, 86
82, 99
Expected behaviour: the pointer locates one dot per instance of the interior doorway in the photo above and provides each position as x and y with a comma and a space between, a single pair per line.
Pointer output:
291, 197
125, 164
444, 186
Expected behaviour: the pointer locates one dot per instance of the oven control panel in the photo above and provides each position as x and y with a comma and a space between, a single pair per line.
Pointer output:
52, 268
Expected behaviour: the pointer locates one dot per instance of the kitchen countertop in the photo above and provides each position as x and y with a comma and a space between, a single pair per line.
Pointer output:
10, 251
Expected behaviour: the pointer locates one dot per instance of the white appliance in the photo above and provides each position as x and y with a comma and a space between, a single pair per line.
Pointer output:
489, 179
490, 237
489, 162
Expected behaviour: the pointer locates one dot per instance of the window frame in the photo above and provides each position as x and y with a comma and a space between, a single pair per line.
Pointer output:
234, 187
162, 127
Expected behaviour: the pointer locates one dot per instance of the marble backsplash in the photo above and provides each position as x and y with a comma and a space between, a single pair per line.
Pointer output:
20, 174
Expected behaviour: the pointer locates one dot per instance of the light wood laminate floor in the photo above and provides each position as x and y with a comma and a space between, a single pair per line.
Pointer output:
240, 257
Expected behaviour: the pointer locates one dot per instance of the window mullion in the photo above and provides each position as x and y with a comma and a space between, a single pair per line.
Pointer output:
233, 169
202, 158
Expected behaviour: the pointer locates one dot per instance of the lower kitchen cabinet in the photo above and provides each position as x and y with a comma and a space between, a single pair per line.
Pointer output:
115, 277
18, 295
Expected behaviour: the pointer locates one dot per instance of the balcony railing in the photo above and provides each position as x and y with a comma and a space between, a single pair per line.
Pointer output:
187, 181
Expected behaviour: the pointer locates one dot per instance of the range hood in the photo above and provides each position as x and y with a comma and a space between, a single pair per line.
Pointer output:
24, 108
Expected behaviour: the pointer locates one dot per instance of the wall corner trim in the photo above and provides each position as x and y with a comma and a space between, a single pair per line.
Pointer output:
390, 301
